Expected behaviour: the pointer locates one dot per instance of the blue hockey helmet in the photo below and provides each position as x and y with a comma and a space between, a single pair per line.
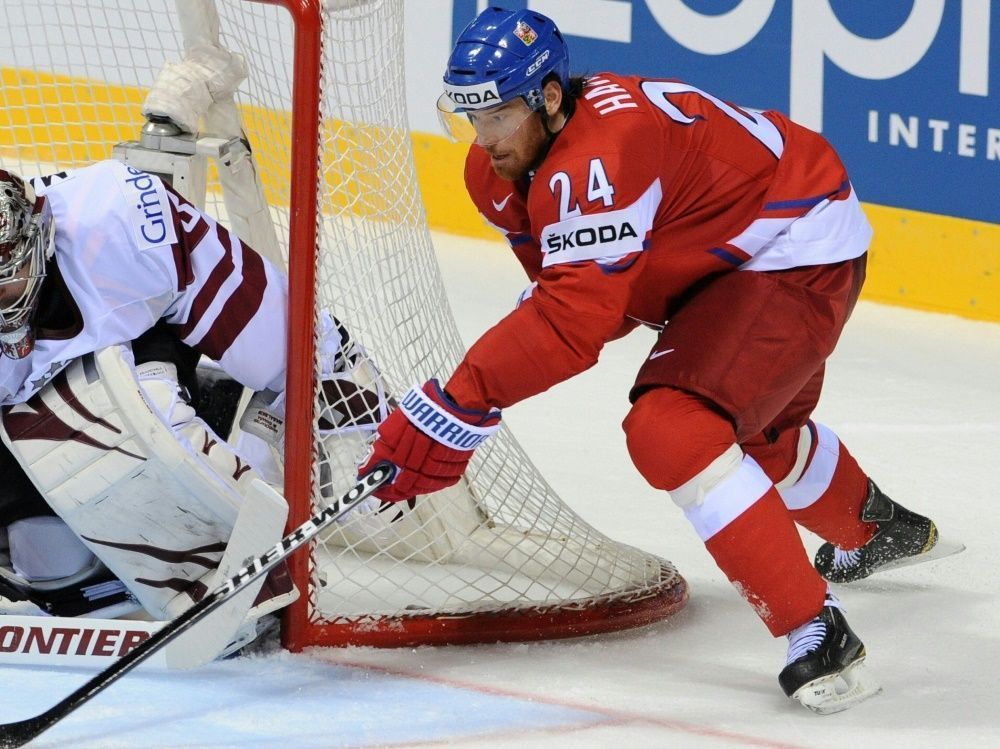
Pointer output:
501, 56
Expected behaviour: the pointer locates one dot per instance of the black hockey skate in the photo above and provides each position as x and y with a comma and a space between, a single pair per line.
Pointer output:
902, 537
825, 671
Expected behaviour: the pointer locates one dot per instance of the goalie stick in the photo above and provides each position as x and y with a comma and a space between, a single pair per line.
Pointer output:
21, 732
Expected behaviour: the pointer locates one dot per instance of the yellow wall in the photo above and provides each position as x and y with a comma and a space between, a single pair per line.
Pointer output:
936, 263
440, 165
918, 260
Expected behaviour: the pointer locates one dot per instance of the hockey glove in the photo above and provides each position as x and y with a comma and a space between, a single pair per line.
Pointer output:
430, 440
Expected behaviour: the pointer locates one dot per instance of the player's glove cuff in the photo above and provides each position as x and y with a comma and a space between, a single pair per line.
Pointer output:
432, 412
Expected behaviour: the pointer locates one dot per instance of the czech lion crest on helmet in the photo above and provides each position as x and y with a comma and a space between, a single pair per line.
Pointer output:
525, 33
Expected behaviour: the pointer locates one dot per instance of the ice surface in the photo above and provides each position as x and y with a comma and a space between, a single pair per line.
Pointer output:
916, 398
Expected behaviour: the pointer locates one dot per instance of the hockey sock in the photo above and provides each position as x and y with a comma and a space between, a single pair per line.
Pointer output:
762, 555
680, 443
828, 495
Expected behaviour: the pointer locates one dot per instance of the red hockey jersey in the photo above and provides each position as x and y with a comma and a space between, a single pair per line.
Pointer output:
652, 187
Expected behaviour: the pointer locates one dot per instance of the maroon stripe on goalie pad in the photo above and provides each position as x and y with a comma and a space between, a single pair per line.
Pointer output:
174, 556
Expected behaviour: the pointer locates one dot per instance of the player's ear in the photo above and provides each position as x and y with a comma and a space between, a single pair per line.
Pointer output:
553, 97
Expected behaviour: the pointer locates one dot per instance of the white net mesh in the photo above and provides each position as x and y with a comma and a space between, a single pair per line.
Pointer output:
498, 557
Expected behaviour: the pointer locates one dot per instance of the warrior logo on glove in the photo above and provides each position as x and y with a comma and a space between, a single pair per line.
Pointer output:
430, 440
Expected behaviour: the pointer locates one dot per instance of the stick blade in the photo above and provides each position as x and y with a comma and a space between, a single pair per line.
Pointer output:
20, 732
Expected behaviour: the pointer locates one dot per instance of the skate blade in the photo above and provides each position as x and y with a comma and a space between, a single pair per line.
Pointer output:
945, 547
836, 692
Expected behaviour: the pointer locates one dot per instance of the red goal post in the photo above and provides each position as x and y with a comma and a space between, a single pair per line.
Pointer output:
501, 556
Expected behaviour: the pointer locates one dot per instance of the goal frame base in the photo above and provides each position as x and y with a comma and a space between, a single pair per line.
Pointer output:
515, 624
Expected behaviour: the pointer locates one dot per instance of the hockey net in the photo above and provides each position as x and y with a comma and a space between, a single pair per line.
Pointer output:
499, 557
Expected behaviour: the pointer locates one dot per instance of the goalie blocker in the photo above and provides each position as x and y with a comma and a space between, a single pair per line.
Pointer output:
142, 482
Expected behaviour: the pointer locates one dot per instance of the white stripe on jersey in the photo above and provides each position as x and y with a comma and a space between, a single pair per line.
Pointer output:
605, 237
831, 231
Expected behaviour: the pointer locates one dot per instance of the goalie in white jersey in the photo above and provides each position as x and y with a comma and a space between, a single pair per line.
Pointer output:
113, 491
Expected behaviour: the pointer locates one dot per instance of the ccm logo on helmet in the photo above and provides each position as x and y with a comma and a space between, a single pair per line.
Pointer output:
533, 68
590, 235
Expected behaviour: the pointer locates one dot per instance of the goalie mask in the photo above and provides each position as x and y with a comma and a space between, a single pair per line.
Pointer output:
501, 57
26, 243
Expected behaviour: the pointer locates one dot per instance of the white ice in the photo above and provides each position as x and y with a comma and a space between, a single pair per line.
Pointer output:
915, 396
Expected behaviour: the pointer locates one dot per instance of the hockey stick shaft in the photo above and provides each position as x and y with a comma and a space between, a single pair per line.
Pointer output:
21, 732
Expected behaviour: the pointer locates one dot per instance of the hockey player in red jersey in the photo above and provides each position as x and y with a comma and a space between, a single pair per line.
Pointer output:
738, 236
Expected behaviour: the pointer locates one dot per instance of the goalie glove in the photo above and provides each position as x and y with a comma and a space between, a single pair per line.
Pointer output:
430, 440
353, 394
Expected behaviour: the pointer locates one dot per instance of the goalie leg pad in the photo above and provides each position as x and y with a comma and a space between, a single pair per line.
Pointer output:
147, 486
